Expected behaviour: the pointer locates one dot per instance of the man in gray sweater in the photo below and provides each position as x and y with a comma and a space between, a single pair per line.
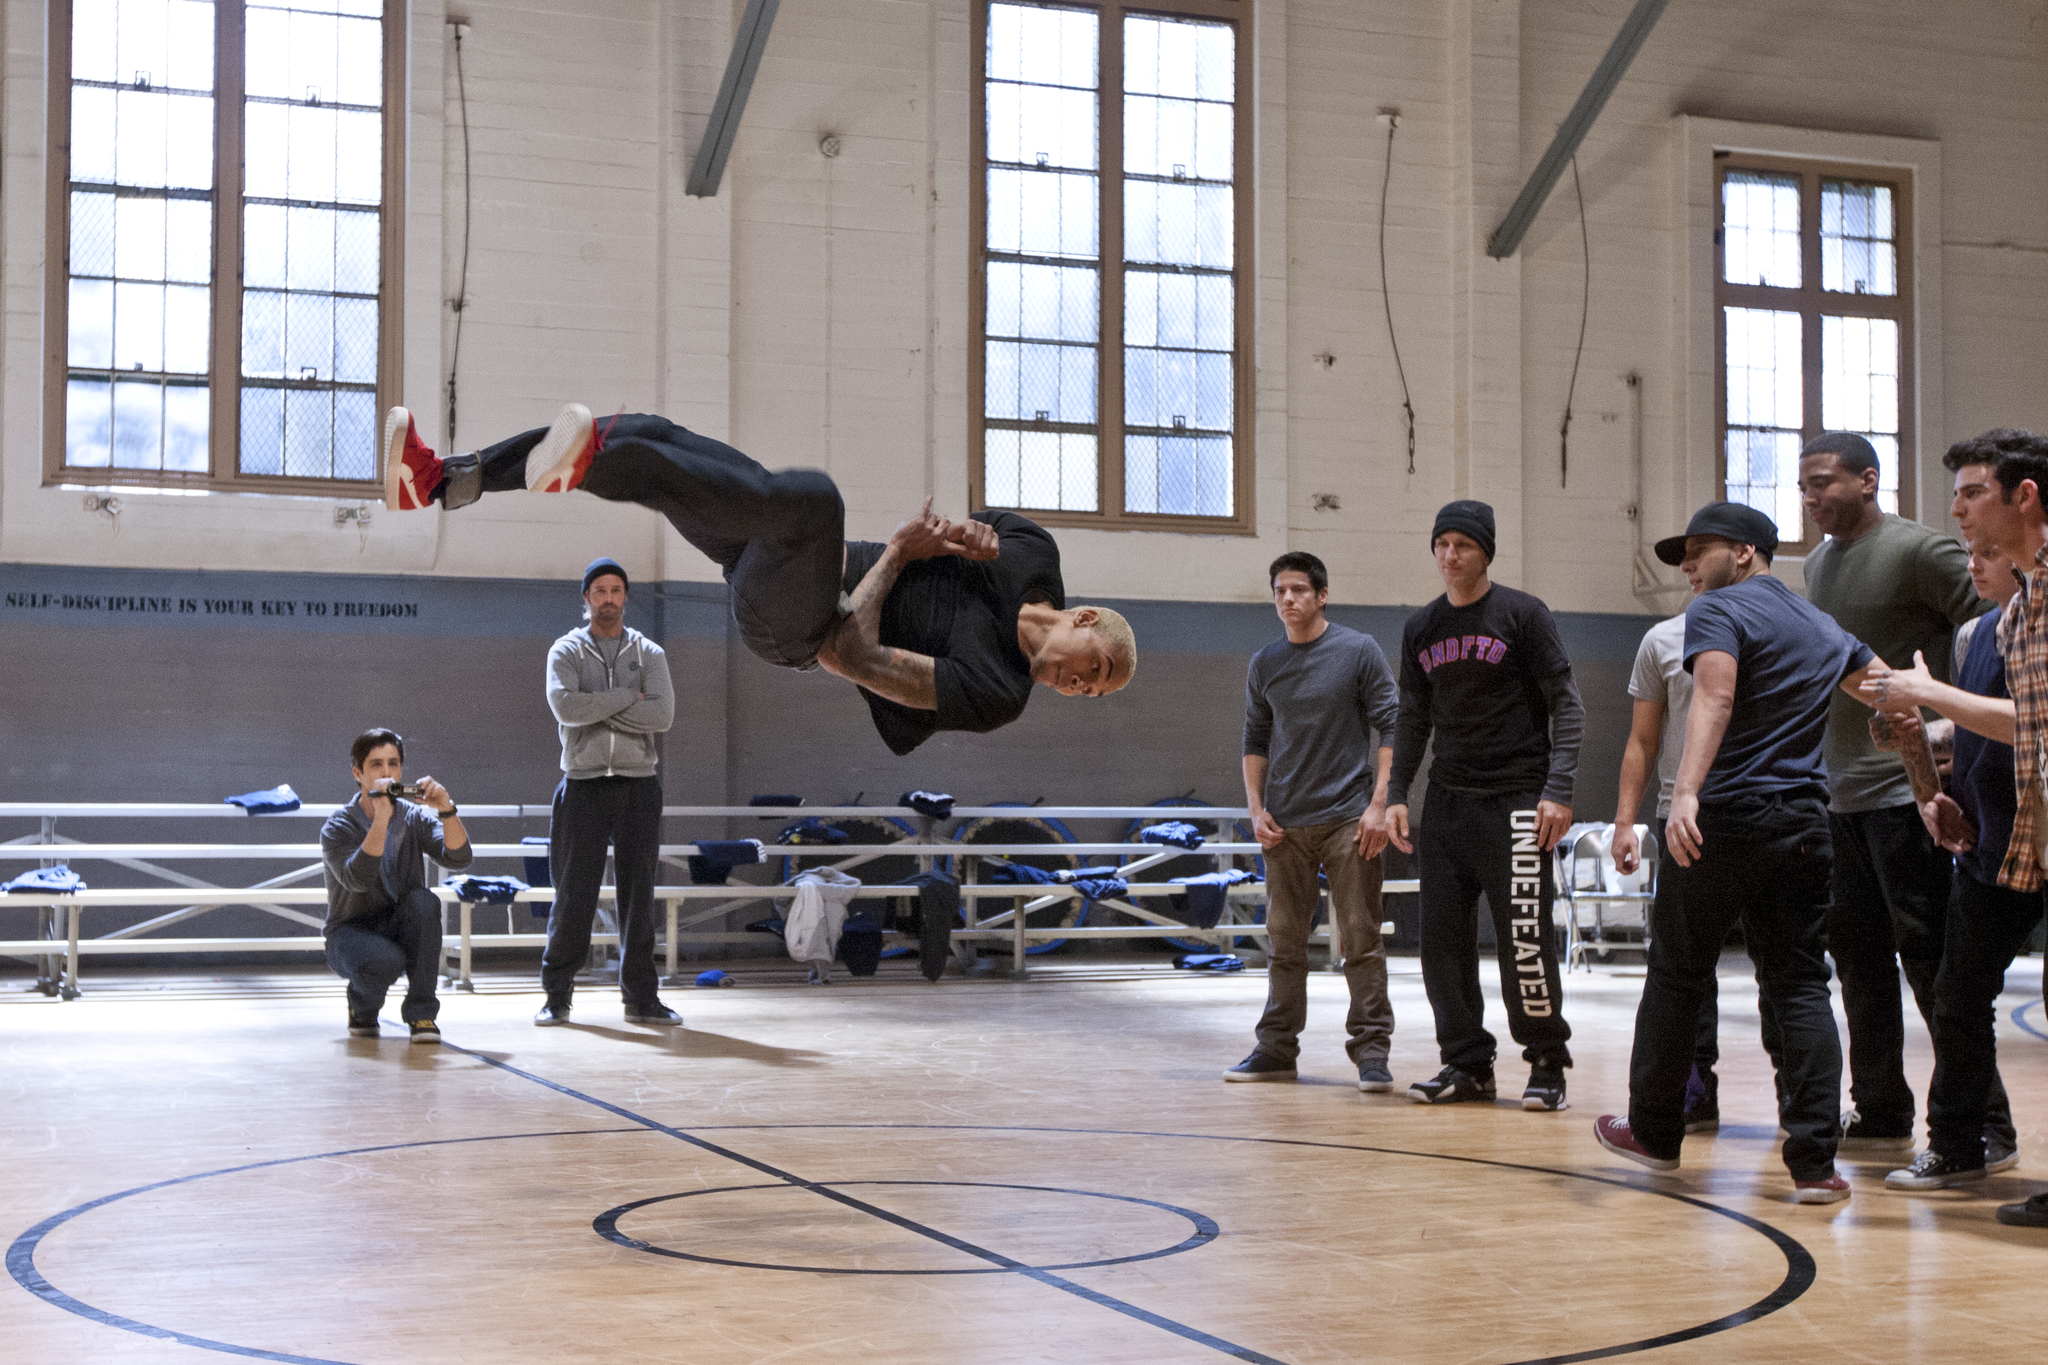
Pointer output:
609, 688
381, 918
1316, 783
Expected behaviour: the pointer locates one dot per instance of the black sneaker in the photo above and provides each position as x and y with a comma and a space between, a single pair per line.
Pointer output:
1261, 1067
1859, 1136
2000, 1153
552, 1014
1702, 1101
425, 1031
2032, 1213
362, 1028
657, 1014
1373, 1076
1545, 1089
1452, 1086
1933, 1171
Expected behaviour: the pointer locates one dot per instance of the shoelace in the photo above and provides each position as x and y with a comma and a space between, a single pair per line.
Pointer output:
597, 440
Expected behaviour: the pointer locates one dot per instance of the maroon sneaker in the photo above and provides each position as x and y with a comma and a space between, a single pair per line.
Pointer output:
411, 470
1612, 1130
1832, 1190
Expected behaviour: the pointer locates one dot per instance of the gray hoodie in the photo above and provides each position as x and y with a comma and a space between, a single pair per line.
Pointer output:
608, 725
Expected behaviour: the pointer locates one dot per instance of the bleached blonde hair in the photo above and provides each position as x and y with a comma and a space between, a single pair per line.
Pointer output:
1123, 643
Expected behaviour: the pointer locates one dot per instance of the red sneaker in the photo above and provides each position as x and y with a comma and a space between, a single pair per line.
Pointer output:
558, 463
1612, 1130
1832, 1190
411, 470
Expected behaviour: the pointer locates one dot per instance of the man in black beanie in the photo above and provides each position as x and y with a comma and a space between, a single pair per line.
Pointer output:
1483, 669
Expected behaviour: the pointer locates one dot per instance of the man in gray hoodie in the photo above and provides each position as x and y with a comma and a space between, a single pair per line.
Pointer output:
608, 686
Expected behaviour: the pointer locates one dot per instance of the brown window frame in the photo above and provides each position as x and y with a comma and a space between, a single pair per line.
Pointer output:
1812, 303
1109, 424
225, 354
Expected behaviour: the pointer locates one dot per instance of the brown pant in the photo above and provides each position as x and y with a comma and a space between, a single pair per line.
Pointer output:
1291, 895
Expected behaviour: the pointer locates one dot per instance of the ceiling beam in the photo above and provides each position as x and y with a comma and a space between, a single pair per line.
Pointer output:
747, 45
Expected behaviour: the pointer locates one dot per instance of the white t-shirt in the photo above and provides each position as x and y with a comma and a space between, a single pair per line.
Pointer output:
1660, 676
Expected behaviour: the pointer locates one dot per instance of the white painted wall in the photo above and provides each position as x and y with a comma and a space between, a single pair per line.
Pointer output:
815, 312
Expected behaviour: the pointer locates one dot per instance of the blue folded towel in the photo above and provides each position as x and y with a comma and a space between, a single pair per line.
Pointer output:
715, 977
1177, 832
276, 801
45, 879
537, 873
1016, 874
812, 831
1202, 903
938, 805
1100, 888
1210, 962
479, 890
715, 859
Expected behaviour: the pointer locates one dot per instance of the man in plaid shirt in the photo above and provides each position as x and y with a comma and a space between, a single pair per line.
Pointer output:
1998, 502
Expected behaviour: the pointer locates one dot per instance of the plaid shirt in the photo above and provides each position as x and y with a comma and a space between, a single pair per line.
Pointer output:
2023, 640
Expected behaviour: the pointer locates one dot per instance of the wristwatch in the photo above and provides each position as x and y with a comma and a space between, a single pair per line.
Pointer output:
449, 814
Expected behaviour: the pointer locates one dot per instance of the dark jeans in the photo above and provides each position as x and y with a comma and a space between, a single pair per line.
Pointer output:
1764, 861
590, 813
1987, 927
780, 538
1706, 1046
1469, 842
371, 950
1891, 888
1291, 896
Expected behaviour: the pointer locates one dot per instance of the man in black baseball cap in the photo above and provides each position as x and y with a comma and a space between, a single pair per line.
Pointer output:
1749, 840
1735, 522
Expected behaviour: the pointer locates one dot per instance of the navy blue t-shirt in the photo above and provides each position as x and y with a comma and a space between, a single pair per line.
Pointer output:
1982, 781
1790, 656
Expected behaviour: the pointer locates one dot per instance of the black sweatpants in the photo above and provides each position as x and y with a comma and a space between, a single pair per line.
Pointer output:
1763, 862
1987, 928
780, 538
589, 814
1468, 842
1891, 893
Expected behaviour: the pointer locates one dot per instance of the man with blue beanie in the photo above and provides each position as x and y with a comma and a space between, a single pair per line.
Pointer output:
609, 688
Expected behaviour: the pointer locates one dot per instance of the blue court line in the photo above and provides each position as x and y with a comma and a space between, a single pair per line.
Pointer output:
2019, 1019
995, 1258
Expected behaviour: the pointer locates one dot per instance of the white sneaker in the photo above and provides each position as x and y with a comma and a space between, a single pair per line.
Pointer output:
558, 463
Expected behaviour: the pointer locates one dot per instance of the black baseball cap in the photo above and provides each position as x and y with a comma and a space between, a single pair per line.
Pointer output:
1734, 521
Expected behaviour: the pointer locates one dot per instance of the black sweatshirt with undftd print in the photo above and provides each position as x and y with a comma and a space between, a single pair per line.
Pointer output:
1492, 682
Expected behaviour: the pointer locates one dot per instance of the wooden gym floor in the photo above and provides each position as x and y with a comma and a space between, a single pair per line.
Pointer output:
897, 1172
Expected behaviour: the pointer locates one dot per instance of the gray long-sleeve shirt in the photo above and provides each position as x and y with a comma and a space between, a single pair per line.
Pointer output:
361, 884
1312, 712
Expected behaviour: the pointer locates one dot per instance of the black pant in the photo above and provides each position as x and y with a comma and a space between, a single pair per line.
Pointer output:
1764, 861
1469, 842
589, 813
1987, 927
780, 538
1891, 889
371, 950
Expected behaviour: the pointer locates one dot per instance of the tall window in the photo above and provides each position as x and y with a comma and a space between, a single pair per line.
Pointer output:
1814, 296
223, 228
1145, 428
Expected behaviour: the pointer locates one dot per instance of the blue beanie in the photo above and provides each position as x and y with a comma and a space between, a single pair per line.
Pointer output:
603, 565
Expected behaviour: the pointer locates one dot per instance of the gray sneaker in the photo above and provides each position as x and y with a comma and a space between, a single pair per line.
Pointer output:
1260, 1067
1933, 1171
656, 1013
552, 1014
1999, 1154
1373, 1076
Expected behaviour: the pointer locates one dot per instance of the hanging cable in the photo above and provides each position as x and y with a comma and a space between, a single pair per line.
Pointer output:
1564, 432
1407, 406
461, 299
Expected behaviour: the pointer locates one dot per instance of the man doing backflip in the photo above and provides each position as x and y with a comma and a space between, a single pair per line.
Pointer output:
946, 627
1316, 781
1483, 670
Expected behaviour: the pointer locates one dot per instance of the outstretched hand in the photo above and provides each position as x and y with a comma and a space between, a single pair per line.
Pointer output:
1901, 689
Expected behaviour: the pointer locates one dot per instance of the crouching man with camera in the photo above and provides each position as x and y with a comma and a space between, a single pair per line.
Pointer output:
381, 918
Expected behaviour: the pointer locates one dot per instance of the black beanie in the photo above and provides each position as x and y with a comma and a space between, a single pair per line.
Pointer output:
604, 564
1474, 519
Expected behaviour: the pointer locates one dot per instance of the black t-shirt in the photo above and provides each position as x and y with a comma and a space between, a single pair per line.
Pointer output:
963, 613
1789, 658
1474, 675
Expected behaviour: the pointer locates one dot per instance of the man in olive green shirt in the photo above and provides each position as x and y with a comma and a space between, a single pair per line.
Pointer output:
1901, 588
